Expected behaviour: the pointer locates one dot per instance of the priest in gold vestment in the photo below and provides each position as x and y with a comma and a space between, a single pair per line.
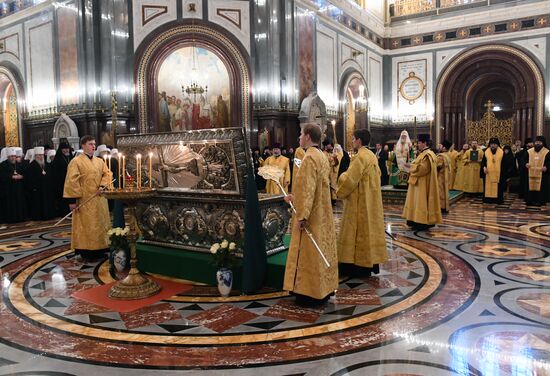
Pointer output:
306, 274
538, 166
281, 162
473, 182
491, 171
86, 175
453, 155
297, 160
422, 209
444, 175
362, 241
460, 168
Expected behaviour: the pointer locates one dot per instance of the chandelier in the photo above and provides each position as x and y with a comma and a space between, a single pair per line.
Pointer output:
361, 102
194, 88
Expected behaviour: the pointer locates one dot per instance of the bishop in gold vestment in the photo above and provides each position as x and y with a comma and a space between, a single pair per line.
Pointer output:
422, 209
453, 156
538, 167
444, 176
85, 175
306, 274
460, 167
298, 156
473, 182
491, 166
283, 163
362, 240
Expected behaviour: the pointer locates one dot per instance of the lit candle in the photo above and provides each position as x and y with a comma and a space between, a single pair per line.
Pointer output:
123, 171
138, 170
111, 182
119, 167
150, 170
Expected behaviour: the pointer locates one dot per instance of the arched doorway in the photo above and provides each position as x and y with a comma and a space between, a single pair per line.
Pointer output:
354, 99
10, 109
503, 74
227, 101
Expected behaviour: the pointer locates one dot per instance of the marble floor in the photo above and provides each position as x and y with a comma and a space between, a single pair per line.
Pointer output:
469, 297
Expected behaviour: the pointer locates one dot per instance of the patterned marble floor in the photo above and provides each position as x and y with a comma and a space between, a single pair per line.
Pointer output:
469, 297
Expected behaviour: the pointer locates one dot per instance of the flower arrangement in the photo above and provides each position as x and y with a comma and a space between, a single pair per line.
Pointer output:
225, 255
118, 239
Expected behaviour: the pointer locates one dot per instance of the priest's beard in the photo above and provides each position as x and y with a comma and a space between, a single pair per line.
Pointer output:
40, 163
538, 148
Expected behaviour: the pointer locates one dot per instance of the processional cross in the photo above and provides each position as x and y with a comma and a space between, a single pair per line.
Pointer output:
489, 106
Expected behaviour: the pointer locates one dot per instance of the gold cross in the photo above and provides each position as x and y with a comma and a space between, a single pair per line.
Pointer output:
514, 25
542, 21
488, 29
438, 36
395, 43
462, 33
416, 40
489, 105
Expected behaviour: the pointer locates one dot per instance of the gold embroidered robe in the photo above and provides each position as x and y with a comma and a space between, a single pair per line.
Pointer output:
458, 184
305, 271
536, 163
283, 163
443, 179
473, 182
422, 202
362, 240
492, 178
453, 156
92, 221
298, 154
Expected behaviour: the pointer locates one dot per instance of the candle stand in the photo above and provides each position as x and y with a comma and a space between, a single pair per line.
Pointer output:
135, 285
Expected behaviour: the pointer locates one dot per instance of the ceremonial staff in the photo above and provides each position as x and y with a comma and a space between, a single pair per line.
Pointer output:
274, 173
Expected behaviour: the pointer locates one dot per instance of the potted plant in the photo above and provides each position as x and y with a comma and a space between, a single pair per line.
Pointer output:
224, 258
120, 248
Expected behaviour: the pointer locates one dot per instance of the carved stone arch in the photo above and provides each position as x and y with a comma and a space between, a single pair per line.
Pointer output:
347, 95
172, 36
66, 128
476, 69
14, 77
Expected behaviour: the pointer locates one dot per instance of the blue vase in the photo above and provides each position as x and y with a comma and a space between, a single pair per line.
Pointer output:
224, 276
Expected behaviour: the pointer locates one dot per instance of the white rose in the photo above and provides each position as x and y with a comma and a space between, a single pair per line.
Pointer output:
224, 244
214, 248
232, 246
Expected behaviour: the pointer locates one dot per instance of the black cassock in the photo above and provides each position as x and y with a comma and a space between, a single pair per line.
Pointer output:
522, 157
12, 194
40, 187
59, 171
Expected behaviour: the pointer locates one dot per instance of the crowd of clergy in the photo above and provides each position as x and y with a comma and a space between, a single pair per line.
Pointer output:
32, 183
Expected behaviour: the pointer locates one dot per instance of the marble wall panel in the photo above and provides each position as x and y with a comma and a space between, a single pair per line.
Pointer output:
442, 58
192, 9
234, 16
12, 47
420, 66
41, 88
149, 15
327, 67
68, 56
306, 72
535, 46
375, 85
352, 55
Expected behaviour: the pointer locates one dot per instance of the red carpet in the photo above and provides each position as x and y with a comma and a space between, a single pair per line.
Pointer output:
100, 296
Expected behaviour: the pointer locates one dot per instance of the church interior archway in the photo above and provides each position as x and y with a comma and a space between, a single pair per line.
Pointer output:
9, 112
221, 62
502, 74
355, 108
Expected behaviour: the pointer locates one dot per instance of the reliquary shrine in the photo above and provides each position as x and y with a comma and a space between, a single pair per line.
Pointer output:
201, 178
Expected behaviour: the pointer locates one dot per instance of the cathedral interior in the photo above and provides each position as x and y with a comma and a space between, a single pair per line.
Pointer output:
216, 78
